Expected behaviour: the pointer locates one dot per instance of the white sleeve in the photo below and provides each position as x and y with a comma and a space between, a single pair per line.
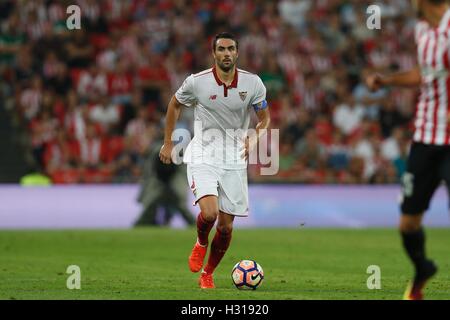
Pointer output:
259, 98
185, 94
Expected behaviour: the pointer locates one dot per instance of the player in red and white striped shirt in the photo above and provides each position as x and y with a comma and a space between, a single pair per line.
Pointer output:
429, 158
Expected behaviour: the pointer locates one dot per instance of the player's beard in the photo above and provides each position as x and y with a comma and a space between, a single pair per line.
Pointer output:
226, 68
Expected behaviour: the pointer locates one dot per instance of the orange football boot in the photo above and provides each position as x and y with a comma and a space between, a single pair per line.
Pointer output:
197, 256
206, 281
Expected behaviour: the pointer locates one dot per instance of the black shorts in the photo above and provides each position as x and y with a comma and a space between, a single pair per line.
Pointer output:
427, 167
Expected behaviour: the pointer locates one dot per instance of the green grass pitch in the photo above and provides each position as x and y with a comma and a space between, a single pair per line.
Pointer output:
151, 263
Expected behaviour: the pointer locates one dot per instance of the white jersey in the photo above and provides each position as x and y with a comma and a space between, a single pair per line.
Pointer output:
432, 111
222, 116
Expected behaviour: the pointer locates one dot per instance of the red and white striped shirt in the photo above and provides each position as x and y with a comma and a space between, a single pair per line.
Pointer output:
432, 110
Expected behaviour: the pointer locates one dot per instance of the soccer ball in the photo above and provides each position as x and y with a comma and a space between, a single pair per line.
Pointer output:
247, 274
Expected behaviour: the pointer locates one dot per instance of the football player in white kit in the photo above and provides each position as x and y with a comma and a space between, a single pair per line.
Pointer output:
222, 97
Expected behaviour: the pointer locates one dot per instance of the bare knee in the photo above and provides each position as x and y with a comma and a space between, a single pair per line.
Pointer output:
225, 228
209, 208
410, 223
210, 215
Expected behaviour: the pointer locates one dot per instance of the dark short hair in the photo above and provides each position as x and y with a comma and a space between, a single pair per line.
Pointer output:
224, 35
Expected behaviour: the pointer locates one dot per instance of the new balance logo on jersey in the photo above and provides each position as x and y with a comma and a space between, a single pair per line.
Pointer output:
213, 97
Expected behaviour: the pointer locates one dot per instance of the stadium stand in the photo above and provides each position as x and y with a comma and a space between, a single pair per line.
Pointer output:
92, 101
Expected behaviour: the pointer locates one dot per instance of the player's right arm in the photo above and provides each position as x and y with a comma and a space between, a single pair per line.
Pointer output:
184, 96
172, 115
410, 78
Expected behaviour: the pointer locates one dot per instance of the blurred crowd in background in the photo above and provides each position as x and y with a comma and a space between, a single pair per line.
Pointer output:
92, 101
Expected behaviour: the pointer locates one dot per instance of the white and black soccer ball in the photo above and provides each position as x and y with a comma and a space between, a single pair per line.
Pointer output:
247, 274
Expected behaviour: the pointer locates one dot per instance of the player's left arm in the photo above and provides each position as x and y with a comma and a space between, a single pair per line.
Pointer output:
259, 104
261, 129
263, 122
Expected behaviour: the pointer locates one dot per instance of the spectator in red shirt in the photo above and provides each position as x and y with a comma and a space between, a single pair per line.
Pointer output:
91, 151
59, 154
153, 77
92, 83
120, 84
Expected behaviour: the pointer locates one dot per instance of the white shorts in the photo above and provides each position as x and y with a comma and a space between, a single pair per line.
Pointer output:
229, 186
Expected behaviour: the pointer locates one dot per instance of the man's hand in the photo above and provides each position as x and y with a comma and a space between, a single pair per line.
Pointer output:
172, 115
165, 154
409, 78
374, 81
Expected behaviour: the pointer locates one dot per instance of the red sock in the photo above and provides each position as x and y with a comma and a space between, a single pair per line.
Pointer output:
219, 246
203, 229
